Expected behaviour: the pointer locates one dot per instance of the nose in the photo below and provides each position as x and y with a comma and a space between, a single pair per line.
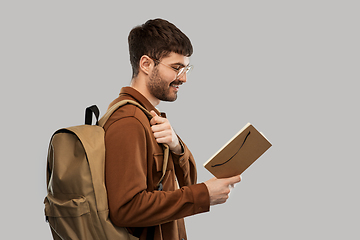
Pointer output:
182, 77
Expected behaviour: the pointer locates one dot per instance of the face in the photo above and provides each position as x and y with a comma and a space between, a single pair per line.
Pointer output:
162, 83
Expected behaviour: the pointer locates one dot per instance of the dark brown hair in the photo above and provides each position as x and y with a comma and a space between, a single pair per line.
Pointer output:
156, 38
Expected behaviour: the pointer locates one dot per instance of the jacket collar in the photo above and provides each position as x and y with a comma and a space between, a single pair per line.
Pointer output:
133, 94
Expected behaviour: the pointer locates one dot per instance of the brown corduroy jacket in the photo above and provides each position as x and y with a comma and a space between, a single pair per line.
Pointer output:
133, 167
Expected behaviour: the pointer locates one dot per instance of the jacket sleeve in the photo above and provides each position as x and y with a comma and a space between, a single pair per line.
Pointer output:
126, 173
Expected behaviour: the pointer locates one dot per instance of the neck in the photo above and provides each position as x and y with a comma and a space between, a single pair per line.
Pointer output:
140, 86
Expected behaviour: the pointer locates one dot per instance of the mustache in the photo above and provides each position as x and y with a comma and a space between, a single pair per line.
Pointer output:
176, 82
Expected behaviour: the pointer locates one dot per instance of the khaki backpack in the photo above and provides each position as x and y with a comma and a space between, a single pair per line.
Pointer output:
76, 205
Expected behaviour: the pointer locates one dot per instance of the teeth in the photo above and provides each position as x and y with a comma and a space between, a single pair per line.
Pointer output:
175, 85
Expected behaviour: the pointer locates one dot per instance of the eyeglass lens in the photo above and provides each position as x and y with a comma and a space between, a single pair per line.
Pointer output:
184, 70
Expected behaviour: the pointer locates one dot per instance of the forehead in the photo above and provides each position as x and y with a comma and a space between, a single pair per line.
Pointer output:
175, 58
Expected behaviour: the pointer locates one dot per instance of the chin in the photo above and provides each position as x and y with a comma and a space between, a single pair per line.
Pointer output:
170, 98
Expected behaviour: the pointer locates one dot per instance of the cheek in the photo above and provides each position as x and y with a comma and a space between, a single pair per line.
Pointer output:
168, 76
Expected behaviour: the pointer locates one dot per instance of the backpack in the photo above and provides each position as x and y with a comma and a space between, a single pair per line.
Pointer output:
76, 205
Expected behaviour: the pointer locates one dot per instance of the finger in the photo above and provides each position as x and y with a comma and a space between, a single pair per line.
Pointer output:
153, 113
163, 140
153, 120
161, 133
161, 126
158, 120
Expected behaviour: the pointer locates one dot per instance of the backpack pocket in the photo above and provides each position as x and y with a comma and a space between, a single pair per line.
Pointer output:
70, 218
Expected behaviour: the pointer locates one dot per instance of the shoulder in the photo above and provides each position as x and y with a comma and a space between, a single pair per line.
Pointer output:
127, 115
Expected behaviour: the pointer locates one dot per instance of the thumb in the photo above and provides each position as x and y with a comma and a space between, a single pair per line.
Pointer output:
153, 113
235, 179
153, 121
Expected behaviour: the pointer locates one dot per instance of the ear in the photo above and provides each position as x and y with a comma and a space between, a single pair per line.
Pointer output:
146, 64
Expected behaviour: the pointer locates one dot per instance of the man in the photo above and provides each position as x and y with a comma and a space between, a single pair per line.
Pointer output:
159, 55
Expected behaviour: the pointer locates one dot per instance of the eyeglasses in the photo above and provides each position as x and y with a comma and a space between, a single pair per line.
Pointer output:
179, 71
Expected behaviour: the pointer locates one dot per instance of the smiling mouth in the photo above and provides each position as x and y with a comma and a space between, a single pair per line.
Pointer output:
176, 85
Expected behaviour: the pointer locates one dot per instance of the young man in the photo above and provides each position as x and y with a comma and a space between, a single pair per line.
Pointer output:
159, 55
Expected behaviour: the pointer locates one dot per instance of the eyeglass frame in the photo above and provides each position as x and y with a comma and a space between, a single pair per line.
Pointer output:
179, 71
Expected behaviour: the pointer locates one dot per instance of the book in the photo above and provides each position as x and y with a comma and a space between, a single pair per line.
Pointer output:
238, 153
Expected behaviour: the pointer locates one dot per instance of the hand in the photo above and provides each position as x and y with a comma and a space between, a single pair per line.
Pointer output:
164, 133
219, 189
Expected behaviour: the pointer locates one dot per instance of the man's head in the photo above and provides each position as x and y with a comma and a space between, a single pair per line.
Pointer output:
157, 39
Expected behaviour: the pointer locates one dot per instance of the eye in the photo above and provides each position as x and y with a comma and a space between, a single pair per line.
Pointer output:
177, 68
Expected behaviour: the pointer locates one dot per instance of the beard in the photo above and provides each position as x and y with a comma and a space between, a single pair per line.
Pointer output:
161, 89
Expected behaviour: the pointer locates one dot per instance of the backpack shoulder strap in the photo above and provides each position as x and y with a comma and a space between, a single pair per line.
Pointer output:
117, 105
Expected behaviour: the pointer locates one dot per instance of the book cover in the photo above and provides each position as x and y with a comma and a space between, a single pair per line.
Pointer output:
239, 153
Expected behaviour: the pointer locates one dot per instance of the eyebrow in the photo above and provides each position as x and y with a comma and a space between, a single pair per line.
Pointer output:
179, 64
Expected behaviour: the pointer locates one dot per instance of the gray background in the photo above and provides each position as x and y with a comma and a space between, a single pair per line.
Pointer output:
291, 68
